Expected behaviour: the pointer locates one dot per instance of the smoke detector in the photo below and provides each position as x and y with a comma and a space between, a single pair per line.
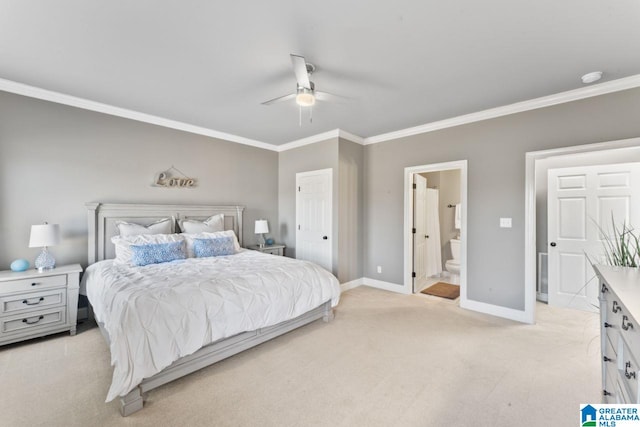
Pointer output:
592, 77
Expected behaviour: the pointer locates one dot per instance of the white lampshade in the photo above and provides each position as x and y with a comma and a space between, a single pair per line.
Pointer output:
262, 226
44, 235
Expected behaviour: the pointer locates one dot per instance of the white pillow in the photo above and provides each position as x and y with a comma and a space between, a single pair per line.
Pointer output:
163, 226
122, 243
190, 238
212, 224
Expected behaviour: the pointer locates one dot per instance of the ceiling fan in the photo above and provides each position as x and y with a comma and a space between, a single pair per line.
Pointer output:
306, 93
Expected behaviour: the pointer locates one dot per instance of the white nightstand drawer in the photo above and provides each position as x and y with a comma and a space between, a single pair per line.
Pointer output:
17, 304
33, 284
33, 320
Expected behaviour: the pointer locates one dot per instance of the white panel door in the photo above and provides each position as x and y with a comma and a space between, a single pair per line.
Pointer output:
314, 194
581, 199
419, 231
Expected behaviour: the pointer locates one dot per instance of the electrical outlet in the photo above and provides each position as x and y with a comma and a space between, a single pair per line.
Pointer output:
379, 269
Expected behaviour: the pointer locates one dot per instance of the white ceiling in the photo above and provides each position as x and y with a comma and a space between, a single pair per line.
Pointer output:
402, 63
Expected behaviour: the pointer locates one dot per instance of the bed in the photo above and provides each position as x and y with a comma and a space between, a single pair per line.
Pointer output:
163, 321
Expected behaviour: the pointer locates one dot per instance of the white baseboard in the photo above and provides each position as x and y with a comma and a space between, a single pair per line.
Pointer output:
350, 285
387, 286
498, 311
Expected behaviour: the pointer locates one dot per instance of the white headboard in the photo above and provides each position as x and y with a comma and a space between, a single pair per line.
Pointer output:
102, 219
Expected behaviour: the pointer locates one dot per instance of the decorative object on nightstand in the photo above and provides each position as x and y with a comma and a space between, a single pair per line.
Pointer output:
274, 249
34, 304
43, 236
270, 241
20, 265
262, 227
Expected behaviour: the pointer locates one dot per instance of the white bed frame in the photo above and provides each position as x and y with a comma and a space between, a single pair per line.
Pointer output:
101, 221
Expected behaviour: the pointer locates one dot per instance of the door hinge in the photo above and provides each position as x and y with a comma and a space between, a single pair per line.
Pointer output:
413, 230
298, 226
414, 186
413, 274
298, 189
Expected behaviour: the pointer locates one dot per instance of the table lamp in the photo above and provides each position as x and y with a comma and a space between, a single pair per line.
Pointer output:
262, 227
43, 236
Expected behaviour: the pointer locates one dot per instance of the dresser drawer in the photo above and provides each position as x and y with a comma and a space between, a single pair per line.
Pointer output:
33, 320
16, 304
33, 284
272, 251
628, 371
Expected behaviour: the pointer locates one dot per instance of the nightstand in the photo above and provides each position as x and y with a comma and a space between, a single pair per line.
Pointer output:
274, 249
36, 304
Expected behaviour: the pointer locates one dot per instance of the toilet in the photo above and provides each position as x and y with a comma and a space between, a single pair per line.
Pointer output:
453, 265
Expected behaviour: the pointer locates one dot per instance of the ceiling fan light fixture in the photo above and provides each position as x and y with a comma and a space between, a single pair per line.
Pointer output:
305, 97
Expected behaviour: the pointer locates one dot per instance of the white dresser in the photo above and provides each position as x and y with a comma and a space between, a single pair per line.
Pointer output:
35, 304
620, 333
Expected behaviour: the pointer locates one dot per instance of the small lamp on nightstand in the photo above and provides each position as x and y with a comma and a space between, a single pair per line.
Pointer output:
262, 227
43, 236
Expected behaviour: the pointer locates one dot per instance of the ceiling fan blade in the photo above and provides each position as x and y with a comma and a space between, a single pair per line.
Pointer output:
326, 96
280, 99
300, 68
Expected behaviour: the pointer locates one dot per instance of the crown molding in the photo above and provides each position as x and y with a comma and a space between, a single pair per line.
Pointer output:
336, 133
86, 104
625, 83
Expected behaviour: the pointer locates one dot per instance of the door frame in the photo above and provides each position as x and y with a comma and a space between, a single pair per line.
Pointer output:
329, 173
460, 165
530, 256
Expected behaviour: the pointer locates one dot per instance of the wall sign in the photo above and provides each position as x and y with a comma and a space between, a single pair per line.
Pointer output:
171, 179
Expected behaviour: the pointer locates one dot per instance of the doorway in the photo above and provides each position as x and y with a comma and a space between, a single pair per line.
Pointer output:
534, 237
410, 242
314, 197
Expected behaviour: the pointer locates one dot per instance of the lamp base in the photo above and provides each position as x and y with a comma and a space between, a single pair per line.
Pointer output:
261, 240
45, 261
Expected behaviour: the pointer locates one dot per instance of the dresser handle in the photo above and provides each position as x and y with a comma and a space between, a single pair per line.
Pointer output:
604, 288
625, 323
607, 359
616, 308
608, 325
33, 303
628, 374
34, 322
35, 283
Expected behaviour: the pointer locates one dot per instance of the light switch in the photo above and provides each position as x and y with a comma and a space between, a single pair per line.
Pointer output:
505, 222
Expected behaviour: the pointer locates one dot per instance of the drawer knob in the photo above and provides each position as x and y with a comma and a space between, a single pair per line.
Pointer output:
605, 393
607, 359
628, 374
608, 325
32, 322
625, 323
616, 308
33, 303
34, 284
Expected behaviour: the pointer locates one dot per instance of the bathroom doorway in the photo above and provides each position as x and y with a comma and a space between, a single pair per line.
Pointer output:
435, 226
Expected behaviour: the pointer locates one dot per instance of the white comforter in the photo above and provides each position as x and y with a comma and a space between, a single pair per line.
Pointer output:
158, 313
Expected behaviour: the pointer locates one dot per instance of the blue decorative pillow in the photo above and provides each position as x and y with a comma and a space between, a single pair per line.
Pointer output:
218, 246
156, 253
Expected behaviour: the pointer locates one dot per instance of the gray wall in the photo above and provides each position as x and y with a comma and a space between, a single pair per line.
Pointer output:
350, 210
54, 158
495, 150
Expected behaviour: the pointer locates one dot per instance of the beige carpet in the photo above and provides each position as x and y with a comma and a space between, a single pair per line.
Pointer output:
443, 290
369, 367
